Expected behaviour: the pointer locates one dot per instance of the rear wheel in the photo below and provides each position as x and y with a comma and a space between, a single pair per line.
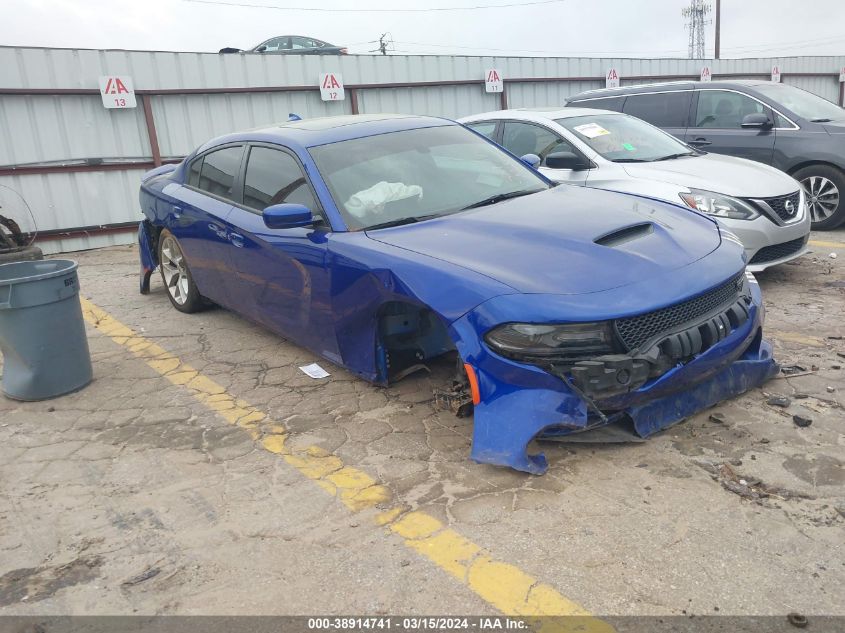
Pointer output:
181, 289
824, 187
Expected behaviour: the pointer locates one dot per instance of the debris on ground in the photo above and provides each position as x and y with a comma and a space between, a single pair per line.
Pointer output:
745, 486
801, 421
718, 418
789, 370
778, 401
797, 620
314, 371
150, 572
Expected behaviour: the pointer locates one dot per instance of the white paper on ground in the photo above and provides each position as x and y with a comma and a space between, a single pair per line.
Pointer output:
315, 371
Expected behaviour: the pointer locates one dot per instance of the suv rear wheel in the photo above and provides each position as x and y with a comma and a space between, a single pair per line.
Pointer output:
824, 187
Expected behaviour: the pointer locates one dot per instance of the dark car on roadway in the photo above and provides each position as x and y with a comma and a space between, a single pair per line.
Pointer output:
773, 123
292, 45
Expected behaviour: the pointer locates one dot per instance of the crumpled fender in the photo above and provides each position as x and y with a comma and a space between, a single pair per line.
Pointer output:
520, 401
148, 256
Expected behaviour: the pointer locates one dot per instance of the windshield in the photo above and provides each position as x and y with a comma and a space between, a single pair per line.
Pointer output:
625, 139
804, 104
418, 174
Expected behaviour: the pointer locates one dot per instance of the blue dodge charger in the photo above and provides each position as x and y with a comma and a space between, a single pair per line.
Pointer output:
380, 242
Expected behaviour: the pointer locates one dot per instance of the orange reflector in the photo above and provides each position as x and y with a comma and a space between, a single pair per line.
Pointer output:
473, 383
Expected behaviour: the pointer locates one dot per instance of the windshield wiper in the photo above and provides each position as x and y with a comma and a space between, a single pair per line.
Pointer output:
499, 197
400, 222
631, 160
672, 156
820, 120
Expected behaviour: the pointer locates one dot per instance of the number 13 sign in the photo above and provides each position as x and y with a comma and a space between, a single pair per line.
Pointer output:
117, 91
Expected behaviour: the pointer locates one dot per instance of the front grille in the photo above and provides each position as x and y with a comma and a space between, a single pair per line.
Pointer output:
778, 251
634, 331
779, 206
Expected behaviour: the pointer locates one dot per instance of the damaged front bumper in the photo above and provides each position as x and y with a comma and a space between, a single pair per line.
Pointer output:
520, 401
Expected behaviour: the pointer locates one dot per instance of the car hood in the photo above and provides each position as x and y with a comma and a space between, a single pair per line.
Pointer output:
723, 174
547, 242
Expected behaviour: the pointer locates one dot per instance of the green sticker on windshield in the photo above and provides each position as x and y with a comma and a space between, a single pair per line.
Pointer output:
629, 147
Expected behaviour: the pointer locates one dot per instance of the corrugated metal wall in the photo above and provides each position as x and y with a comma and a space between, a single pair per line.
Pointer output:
54, 129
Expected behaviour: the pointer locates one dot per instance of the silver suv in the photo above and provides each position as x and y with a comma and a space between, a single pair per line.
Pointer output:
780, 125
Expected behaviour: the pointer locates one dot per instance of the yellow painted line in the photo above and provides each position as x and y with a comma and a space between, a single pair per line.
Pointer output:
840, 245
500, 584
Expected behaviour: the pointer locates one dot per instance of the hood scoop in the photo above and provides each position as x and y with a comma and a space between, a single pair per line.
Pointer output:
617, 237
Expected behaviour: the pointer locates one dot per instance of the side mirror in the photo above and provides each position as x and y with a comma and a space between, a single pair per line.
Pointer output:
532, 160
566, 160
757, 120
261, 49
287, 216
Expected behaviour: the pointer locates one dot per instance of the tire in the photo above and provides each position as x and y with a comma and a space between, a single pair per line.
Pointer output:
824, 187
181, 289
23, 254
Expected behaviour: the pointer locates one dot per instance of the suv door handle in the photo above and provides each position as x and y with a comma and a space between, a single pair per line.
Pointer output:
701, 141
236, 240
177, 212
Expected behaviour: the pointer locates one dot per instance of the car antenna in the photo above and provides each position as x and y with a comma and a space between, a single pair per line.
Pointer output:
293, 116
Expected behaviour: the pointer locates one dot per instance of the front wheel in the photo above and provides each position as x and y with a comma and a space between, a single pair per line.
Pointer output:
824, 187
181, 289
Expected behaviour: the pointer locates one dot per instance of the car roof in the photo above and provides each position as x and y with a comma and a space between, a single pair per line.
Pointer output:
664, 86
304, 133
536, 114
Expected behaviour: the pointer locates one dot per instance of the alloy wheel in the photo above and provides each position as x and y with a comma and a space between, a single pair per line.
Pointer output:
174, 270
822, 197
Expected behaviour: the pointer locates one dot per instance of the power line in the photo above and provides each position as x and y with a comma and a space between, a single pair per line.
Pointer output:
747, 49
325, 10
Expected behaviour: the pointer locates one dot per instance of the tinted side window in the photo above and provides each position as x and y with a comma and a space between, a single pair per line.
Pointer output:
274, 177
278, 44
665, 109
487, 128
217, 175
724, 110
194, 172
525, 138
605, 103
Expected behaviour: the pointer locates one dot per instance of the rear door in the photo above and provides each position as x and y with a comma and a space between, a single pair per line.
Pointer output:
521, 137
717, 125
198, 218
666, 110
281, 275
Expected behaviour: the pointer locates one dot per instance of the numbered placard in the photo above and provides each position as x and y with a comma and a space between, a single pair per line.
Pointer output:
331, 87
493, 81
776, 74
706, 74
611, 79
117, 91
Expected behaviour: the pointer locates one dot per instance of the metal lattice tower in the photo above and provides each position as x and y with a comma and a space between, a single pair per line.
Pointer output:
695, 13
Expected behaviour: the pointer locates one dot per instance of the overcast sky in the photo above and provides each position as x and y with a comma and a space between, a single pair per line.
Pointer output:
606, 28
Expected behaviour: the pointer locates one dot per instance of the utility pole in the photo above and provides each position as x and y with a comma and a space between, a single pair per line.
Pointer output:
382, 44
718, 25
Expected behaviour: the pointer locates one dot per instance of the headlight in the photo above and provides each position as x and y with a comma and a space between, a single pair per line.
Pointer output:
535, 341
717, 205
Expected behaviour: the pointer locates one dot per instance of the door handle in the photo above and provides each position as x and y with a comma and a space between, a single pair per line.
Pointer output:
217, 230
177, 212
237, 240
700, 142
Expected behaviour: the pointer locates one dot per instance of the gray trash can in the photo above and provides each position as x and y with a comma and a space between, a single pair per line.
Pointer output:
42, 333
